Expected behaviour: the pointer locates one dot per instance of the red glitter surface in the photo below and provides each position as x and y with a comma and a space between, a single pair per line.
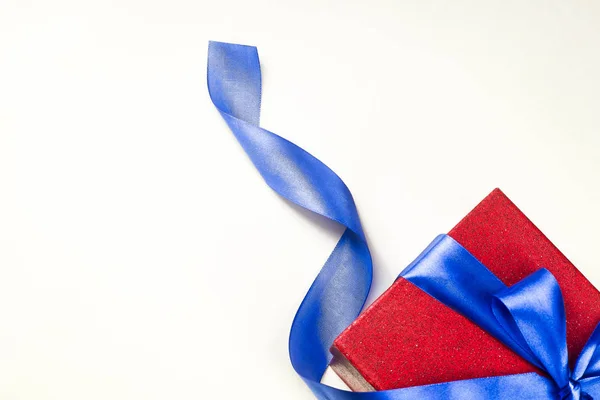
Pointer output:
407, 338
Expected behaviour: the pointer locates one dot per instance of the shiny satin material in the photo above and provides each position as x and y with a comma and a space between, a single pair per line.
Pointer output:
528, 317
339, 292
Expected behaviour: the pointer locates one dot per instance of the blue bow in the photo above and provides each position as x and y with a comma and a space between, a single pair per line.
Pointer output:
533, 313
528, 317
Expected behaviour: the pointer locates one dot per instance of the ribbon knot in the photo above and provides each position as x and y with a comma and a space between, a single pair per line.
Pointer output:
573, 392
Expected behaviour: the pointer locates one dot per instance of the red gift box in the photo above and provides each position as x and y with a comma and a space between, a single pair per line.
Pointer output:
408, 338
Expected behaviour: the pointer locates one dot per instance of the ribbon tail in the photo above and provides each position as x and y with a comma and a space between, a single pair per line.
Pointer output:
340, 290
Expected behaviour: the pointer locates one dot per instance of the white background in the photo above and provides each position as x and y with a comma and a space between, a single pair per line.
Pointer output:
141, 255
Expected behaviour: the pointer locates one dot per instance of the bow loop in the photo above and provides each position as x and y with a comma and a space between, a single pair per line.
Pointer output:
588, 362
532, 311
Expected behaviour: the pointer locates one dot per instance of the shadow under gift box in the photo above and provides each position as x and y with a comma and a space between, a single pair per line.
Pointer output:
408, 338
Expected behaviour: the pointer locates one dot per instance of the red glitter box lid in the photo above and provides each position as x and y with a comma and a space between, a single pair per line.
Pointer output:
408, 338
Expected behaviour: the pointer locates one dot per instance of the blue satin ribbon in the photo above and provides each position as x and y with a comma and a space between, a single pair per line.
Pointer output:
528, 317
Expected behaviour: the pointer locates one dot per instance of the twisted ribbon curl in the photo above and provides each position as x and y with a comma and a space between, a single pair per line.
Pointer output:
528, 317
